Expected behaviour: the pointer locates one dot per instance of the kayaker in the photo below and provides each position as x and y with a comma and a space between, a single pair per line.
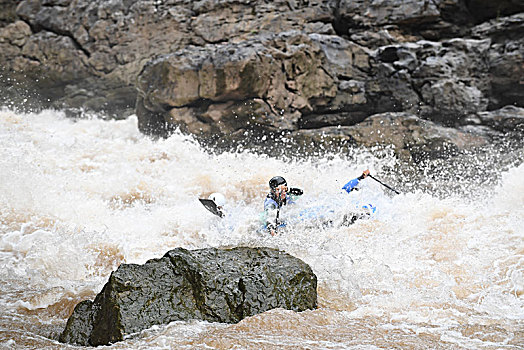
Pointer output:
278, 196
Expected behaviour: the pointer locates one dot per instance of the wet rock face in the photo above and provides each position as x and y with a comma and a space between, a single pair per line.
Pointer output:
263, 83
310, 81
231, 67
216, 285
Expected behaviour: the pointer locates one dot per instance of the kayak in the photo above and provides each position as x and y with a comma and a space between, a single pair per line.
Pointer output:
325, 216
316, 215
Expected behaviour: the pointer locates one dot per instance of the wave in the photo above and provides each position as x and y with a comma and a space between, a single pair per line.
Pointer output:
80, 197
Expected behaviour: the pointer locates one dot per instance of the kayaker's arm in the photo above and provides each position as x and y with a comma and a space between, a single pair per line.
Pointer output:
270, 213
272, 221
352, 184
293, 194
295, 191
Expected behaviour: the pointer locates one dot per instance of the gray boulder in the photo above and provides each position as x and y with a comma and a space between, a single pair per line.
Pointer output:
216, 285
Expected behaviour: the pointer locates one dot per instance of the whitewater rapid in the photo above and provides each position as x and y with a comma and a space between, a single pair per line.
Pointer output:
80, 197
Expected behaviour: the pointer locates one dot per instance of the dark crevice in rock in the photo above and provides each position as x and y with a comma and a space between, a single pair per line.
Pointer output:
32, 59
73, 39
338, 26
342, 25
416, 91
221, 41
457, 14
484, 10
342, 77
36, 28
332, 118
388, 55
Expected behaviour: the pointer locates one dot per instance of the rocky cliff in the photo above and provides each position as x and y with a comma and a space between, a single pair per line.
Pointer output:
309, 69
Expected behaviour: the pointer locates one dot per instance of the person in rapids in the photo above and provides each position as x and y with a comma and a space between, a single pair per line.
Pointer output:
280, 195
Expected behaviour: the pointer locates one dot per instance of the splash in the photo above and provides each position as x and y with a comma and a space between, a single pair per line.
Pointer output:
80, 197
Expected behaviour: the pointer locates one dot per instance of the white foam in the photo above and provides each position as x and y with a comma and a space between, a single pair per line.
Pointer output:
79, 198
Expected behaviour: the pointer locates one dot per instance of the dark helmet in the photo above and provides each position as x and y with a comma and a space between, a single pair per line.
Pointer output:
277, 181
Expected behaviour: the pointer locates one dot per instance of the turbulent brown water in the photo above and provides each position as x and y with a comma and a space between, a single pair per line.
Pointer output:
433, 269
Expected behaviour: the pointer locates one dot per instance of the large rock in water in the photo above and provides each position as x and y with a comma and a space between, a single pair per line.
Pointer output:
216, 285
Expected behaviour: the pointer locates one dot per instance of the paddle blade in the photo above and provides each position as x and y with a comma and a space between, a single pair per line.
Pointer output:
211, 206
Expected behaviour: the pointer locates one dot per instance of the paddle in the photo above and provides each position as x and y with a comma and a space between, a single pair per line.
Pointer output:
383, 184
279, 202
211, 206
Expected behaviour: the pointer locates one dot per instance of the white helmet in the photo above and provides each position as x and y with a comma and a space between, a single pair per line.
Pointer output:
218, 198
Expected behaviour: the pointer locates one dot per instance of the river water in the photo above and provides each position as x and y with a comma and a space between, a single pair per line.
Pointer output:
440, 266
